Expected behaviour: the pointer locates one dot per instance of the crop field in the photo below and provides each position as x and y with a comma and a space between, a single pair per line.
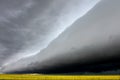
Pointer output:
57, 77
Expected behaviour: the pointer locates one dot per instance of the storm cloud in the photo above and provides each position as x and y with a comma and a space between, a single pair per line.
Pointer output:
56, 34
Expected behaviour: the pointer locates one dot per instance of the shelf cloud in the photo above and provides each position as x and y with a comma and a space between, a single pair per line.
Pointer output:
39, 35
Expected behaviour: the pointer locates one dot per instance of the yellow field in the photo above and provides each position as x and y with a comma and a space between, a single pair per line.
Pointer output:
57, 77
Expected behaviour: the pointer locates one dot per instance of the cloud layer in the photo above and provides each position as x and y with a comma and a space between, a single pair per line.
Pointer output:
92, 37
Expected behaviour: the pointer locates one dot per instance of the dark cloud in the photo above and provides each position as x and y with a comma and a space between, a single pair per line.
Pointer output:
91, 44
73, 63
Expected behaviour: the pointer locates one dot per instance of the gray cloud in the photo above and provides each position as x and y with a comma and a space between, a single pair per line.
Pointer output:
93, 36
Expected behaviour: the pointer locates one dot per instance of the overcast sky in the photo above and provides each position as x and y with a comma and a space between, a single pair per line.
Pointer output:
38, 34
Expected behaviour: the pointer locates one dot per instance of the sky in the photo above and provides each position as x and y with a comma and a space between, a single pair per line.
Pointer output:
45, 34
